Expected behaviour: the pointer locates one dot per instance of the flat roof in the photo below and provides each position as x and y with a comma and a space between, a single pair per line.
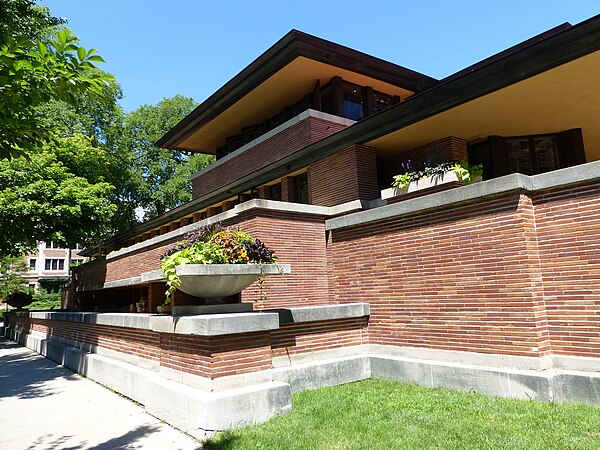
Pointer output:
280, 77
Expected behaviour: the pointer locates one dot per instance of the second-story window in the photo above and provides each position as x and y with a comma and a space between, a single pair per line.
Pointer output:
54, 264
353, 101
301, 189
275, 192
32, 263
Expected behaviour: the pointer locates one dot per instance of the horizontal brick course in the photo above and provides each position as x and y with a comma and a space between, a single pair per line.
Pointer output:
207, 356
285, 143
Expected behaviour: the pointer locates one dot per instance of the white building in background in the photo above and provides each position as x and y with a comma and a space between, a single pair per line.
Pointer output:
51, 264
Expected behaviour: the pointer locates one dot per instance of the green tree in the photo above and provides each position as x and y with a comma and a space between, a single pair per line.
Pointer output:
161, 175
23, 18
12, 271
32, 74
58, 194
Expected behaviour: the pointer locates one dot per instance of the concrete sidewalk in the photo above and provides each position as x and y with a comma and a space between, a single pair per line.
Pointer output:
45, 406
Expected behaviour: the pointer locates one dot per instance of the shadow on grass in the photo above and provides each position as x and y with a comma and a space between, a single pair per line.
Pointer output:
24, 374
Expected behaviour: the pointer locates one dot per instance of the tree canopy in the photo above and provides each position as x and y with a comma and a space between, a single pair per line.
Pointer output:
57, 194
74, 167
32, 74
162, 176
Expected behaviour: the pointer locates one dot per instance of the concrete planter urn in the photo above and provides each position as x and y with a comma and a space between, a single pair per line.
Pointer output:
424, 183
19, 300
223, 280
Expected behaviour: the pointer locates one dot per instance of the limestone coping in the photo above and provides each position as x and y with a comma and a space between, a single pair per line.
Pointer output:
270, 205
497, 186
208, 324
325, 312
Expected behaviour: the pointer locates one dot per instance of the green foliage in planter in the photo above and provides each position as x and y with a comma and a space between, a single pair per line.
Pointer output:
213, 245
464, 171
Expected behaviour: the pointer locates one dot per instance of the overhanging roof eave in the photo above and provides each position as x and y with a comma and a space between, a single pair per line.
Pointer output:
578, 41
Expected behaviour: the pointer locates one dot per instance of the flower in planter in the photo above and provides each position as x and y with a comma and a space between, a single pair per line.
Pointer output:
213, 245
464, 171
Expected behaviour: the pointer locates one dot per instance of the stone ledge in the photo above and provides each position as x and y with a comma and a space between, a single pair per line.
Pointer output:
216, 324
125, 320
325, 312
514, 182
210, 324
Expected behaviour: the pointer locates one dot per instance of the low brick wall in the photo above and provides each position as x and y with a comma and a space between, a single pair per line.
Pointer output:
498, 270
210, 356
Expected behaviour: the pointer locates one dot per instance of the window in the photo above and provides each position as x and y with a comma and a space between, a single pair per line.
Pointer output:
51, 245
54, 264
532, 155
301, 189
353, 101
529, 155
32, 263
382, 101
275, 192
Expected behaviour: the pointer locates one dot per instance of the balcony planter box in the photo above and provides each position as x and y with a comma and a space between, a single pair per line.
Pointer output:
223, 280
424, 183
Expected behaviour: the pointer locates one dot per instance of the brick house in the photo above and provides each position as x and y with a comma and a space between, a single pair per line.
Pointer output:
49, 266
491, 286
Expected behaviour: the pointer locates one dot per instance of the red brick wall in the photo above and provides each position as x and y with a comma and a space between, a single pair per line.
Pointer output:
293, 338
142, 343
462, 278
208, 356
92, 272
568, 227
345, 176
290, 140
214, 357
297, 239
447, 149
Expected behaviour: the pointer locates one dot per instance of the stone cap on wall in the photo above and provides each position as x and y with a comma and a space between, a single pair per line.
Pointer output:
509, 183
207, 324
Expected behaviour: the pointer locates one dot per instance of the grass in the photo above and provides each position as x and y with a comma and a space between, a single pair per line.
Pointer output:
378, 414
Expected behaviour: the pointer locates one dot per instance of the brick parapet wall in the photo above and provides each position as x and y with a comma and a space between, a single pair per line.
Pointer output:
515, 274
448, 279
306, 252
348, 175
568, 230
206, 356
279, 146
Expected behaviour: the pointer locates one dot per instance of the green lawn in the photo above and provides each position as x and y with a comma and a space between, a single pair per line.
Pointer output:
378, 414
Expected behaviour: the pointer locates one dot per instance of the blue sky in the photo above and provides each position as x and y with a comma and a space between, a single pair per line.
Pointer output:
161, 48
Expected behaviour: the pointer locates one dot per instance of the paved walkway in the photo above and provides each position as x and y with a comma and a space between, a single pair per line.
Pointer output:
45, 406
